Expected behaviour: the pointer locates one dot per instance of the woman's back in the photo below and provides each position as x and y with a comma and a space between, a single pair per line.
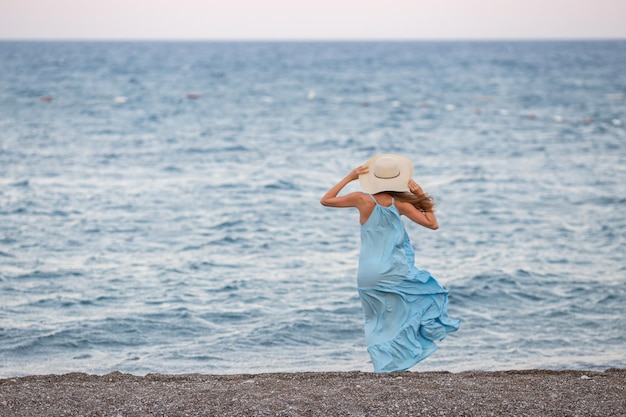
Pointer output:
383, 259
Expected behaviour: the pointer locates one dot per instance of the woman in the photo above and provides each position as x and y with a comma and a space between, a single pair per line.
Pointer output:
405, 308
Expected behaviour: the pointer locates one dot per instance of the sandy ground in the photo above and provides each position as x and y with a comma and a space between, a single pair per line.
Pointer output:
512, 393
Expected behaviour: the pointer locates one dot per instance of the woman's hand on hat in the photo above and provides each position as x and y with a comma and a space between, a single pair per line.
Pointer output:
415, 187
358, 171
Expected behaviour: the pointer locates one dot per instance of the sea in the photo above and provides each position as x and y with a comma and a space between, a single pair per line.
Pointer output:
159, 201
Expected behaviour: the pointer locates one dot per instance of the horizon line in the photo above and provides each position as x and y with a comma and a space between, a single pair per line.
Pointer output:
329, 40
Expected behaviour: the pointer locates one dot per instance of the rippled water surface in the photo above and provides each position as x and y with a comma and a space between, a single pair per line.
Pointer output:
159, 202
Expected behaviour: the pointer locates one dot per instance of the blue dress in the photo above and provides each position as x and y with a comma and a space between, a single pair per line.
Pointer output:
405, 308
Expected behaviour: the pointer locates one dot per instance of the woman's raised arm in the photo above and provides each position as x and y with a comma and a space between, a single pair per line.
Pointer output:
330, 199
423, 218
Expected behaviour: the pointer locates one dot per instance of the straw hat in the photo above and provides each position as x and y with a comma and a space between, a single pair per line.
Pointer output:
387, 172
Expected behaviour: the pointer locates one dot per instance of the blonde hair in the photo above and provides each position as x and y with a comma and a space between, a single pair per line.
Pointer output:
422, 202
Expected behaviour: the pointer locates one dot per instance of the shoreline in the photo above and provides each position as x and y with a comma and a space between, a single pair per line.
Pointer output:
470, 393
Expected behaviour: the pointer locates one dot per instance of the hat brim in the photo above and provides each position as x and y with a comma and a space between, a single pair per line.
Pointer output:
373, 185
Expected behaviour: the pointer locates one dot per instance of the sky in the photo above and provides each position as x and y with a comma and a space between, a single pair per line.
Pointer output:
312, 19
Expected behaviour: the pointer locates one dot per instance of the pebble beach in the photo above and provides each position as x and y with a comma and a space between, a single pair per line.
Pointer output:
502, 393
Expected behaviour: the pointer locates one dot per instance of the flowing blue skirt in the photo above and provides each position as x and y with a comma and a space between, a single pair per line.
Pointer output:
403, 320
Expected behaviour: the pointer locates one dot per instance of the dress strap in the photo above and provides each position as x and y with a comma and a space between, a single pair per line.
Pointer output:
378, 204
373, 199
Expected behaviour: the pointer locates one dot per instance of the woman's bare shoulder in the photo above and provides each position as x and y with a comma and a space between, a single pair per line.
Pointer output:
401, 204
404, 207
